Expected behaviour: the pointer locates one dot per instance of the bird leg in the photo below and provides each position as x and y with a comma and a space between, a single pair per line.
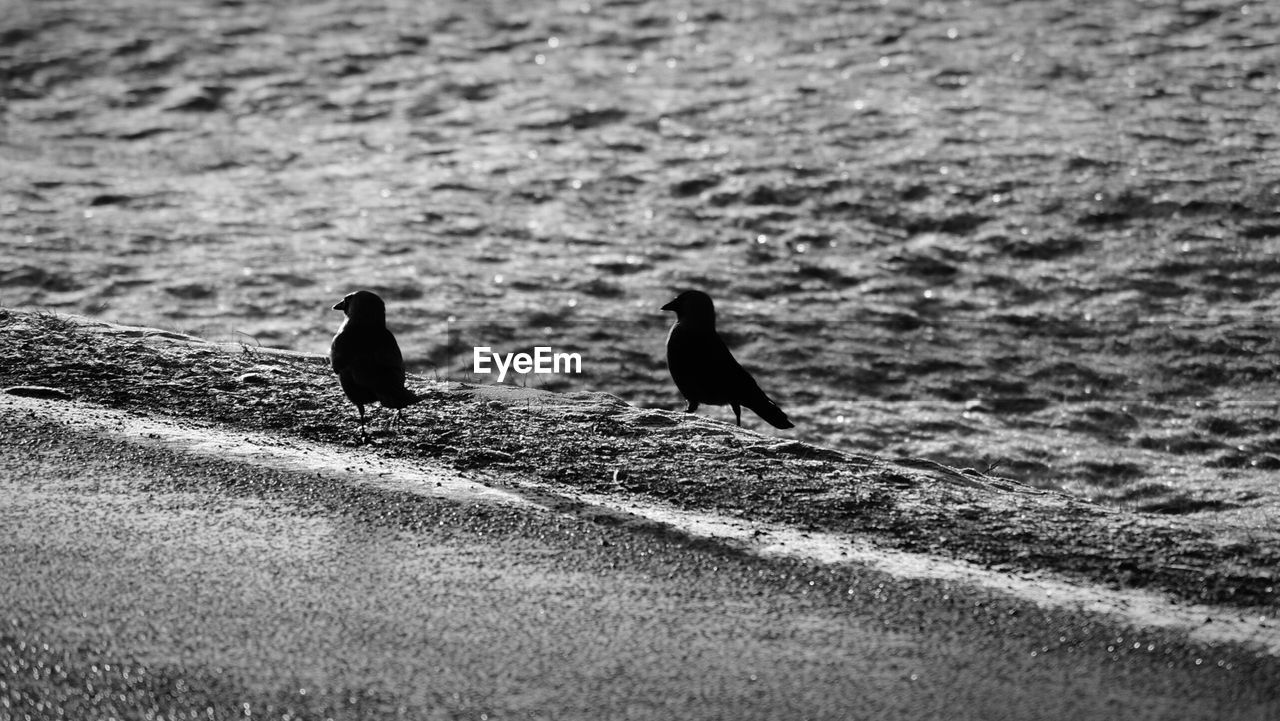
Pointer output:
737, 413
393, 421
691, 407
364, 433
390, 423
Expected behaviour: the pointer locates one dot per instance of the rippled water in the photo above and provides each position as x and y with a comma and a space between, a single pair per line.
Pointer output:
1023, 236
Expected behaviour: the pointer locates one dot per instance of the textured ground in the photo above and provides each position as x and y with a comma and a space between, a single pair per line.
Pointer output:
201, 579
579, 443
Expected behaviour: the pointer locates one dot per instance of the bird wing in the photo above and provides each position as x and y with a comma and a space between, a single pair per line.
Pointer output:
743, 388
371, 359
704, 368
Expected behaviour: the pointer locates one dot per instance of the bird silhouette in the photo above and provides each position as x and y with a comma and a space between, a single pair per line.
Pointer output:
703, 368
367, 358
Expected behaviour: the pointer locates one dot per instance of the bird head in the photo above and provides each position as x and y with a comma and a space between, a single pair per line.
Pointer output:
363, 306
694, 306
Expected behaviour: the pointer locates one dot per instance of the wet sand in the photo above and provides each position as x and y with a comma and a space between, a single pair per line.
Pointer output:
594, 444
163, 579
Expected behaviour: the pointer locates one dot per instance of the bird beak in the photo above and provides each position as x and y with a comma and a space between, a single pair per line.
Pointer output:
669, 306
341, 305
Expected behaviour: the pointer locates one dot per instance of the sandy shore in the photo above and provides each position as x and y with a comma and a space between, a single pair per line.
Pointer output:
172, 566
593, 443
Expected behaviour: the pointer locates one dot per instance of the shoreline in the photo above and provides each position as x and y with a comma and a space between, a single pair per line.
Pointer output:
893, 508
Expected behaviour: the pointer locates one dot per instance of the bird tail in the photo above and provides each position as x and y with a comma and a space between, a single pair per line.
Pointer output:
401, 398
770, 412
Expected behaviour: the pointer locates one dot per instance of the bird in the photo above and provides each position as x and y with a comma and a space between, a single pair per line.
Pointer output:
703, 368
367, 358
